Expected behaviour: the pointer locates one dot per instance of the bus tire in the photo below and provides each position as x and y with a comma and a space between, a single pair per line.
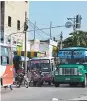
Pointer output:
57, 84
34, 83
84, 83
49, 83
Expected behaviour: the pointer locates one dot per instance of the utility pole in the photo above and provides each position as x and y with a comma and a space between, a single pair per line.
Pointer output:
25, 31
74, 24
50, 29
61, 41
34, 30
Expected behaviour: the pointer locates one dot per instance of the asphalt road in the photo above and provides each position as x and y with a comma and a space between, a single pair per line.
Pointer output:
45, 93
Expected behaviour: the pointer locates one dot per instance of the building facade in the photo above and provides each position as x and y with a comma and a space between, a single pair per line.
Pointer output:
47, 47
43, 46
12, 25
0, 20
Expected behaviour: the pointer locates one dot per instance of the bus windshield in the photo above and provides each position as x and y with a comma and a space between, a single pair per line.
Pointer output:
44, 65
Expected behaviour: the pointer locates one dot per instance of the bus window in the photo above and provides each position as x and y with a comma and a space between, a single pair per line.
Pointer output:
5, 55
3, 60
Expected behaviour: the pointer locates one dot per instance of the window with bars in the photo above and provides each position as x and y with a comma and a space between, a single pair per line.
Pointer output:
9, 21
18, 25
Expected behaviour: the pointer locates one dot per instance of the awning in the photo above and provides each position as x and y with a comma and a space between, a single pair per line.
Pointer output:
20, 58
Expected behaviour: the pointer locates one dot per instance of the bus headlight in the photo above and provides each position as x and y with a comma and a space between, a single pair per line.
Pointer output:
79, 71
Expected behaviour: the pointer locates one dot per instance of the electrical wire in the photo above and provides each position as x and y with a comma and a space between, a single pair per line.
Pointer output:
39, 29
40, 35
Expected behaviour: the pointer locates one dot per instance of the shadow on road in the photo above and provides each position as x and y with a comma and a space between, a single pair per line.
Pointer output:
53, 86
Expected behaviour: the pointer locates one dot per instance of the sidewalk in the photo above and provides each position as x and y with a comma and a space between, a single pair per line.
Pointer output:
80, 99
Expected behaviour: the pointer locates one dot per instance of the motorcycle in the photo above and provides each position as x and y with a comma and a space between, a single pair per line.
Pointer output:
37, 79
21, 78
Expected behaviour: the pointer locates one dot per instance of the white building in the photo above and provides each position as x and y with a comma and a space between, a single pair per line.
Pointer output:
43, 46
13, 18
34, 45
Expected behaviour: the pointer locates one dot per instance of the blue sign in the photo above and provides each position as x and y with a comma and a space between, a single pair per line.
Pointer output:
75, 54
65, 54
79, 54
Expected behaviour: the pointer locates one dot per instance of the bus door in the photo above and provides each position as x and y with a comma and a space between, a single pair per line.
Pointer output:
6, 68
53, 66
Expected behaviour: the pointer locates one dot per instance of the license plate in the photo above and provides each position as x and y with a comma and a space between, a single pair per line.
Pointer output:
67, 79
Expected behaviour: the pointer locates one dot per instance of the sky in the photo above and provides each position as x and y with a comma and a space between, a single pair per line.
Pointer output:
43, 12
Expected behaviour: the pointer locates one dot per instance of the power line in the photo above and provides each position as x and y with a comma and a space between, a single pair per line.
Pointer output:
34, 30
47, 28
40, 35
39, 29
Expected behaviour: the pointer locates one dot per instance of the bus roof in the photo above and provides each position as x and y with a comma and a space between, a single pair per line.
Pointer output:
39, 58
74, 48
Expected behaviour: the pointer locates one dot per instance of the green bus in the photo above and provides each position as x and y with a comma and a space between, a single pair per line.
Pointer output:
72, 68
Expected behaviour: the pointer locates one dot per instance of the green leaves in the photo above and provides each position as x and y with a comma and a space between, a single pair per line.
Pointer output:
78, 38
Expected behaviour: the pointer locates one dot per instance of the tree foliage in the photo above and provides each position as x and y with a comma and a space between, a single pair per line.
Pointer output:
78, 38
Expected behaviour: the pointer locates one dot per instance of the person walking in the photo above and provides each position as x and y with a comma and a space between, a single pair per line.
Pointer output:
29, 77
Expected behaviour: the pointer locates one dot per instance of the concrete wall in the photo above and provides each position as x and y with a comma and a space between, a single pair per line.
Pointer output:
44, 46
34, 45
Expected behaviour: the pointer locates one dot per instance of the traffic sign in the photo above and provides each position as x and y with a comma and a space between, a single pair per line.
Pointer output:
68, 24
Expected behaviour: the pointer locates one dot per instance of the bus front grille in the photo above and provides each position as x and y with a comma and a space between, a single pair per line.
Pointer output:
68, 71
